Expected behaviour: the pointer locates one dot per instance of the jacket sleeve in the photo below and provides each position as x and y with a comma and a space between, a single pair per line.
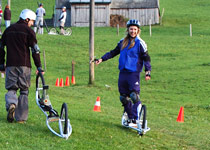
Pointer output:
2, 51
35, 56
145, 57
147, 60
112, 53
61, 17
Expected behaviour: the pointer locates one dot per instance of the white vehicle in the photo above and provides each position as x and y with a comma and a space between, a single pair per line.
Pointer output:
42, 100
54, 31
141, 122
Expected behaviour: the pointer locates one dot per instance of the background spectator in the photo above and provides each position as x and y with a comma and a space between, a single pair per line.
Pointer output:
7, 16
40, 13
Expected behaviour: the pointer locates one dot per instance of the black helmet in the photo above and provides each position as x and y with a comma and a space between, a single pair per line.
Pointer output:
133, 22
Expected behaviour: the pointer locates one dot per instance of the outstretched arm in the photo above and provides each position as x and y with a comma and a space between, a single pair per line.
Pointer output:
109, 55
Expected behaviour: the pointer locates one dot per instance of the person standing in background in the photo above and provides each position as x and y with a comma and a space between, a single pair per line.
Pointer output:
62, 20
7, 16
40, 13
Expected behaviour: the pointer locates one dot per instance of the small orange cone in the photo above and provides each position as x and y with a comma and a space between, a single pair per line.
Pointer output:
180, 117
73, 80
67, 81
97, 106
61, 82
57, 82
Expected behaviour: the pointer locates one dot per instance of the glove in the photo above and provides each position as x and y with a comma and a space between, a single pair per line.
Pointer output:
147, 75
2, 67
98, 61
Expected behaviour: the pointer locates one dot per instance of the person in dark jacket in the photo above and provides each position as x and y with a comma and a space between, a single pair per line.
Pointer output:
19, 39
7, 16
133, 56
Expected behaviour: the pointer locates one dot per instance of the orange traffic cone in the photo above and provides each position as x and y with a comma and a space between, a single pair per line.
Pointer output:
57, 82
61, 82
67, 81
73, 80
97, 106
180, 117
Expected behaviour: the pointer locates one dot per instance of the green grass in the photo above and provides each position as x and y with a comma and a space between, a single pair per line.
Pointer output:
180, 77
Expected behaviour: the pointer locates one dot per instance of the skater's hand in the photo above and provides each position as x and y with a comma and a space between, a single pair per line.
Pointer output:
98, 61
147, 75
39, 70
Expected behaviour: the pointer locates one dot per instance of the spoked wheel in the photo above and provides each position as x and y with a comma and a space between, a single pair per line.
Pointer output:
40, 85
142, 117
64, 118
53, 31
68, 31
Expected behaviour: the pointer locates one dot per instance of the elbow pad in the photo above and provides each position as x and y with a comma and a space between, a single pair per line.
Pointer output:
35, 49
1, 45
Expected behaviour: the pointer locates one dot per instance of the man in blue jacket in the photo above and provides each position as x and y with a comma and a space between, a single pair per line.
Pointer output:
133, 56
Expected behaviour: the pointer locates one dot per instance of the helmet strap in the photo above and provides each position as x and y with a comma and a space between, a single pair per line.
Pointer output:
27, 20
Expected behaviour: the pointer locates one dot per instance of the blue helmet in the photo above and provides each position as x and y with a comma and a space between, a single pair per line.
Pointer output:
133, 22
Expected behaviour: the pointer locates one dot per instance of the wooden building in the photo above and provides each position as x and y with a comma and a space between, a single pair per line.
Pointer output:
57, 12
80, 13
146, 11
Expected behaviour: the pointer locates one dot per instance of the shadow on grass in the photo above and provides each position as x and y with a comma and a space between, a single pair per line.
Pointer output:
37, 129
205, 64
204, 107
105, 124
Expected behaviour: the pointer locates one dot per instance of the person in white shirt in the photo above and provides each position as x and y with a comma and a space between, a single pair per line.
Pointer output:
40, 13
62, 20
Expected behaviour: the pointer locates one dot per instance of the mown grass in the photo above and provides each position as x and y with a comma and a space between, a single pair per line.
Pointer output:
180, 77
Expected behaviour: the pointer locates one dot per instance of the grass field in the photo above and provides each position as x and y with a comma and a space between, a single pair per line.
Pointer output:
180, 77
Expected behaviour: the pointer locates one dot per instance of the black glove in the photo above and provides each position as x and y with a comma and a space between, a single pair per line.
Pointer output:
95, 59
2, 67
147, 75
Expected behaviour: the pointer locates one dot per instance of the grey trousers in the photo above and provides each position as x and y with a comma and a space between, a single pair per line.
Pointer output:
39, 25
18, 78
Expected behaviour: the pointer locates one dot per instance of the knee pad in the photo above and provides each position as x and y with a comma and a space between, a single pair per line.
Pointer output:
134, 97
24, 93
124, 99
11, 91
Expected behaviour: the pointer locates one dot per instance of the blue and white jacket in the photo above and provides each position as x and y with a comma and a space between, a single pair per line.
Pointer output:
133, 59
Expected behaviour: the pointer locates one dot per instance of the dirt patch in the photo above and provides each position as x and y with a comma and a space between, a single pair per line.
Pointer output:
118, 19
